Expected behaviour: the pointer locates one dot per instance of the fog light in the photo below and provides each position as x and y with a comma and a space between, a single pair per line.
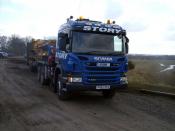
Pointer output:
124, 79
69, 79
74, 79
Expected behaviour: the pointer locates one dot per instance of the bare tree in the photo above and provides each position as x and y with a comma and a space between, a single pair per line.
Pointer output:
16, 45
3, 43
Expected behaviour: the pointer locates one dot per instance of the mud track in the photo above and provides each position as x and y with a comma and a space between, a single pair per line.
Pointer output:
26, 106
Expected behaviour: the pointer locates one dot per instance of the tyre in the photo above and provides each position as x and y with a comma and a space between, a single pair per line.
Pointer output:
53, 84
1, 56
33, 68
39, 73
125, 86
62, 92
109, 93
43, 80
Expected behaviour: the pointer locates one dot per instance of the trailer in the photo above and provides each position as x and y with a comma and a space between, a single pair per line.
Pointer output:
38, 51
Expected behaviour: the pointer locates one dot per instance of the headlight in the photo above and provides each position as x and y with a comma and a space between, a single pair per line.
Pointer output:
74, 79
124, 79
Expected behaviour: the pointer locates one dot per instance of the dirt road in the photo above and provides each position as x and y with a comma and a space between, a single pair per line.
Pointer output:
26, 106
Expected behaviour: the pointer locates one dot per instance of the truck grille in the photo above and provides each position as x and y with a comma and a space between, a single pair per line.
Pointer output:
101, 75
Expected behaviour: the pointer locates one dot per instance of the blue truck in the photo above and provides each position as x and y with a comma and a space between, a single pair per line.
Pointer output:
89, 56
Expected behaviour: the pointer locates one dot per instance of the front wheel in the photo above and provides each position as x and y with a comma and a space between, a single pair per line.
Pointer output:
109, 93
63, 94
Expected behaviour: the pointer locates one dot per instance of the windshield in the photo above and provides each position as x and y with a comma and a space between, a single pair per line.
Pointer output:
90, 42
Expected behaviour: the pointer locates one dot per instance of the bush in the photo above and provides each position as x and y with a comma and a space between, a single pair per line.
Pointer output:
131, 65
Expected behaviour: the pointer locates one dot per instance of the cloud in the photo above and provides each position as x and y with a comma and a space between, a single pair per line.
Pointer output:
169, 33
113, 9
170, 36
6, 9
134, 26
171, 26
158, 7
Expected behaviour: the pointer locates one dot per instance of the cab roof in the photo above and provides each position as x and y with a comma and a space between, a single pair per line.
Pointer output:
86, 25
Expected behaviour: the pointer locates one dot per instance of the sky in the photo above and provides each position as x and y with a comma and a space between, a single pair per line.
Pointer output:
150, 24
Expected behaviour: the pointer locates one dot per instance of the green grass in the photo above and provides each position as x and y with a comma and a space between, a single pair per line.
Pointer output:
147, 75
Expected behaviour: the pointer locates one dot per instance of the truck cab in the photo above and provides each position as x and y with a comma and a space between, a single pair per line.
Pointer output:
90, 56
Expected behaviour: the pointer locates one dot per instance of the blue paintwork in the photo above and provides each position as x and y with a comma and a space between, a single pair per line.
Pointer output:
48, 48
90, 73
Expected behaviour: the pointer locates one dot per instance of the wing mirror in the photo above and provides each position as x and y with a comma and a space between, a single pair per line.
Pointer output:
126, 44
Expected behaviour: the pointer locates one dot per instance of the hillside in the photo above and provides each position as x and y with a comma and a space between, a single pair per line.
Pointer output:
154, 72
151, 57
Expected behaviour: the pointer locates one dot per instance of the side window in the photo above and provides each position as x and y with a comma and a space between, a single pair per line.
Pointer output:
62, 41
117, 44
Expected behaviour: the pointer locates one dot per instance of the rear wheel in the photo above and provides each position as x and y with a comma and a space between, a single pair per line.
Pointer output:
39, 73
63, 94
43, 80
53, 84
33, 67
53, 81
109, 93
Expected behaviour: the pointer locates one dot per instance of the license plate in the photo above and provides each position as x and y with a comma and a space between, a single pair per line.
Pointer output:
103, 87
103, 64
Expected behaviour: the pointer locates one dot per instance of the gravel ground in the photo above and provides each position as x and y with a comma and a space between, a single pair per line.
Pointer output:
26, 106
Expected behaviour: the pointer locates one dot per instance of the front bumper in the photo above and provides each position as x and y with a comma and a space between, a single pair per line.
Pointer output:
83, 87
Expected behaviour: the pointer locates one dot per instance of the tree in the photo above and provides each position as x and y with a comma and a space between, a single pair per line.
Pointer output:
3, 43
16, 45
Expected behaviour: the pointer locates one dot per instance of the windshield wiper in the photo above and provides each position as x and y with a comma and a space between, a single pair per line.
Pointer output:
90, 52
113, 53
94, 52
101, 53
